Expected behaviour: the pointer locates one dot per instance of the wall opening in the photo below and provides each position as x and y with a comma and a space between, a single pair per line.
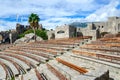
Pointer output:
59, 32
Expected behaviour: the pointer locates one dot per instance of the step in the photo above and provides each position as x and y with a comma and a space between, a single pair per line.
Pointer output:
12, 67
2, 73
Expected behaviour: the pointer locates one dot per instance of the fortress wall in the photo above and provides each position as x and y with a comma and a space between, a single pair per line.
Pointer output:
101, 26
72, 32
92, 33
112, 25
51, 35
62, 32
1, 37
65, 31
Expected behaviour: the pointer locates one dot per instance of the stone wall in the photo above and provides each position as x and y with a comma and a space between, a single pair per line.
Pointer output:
94, 29
14, 36
1, 38
65, 31
62, 32
87, 32
51, 34
112, 25
72, 31
20, 28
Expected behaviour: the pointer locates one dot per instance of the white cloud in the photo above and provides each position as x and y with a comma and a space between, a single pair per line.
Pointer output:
104, 12
54, 12
46, 7
6, 25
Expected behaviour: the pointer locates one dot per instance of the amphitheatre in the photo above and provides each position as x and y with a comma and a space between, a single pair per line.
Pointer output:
65, 56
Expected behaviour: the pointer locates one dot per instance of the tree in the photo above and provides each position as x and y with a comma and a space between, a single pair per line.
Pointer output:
34, 22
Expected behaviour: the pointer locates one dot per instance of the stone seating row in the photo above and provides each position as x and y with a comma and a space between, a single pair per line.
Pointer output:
4, 46
56, 72
97, 48
30, 64
23, 58
38, 75
19, 68
115, 39
10, 73
47, 47
54, 45
73, 74
79, 69
42, 55
105, 45
106, 57
13, 51
69, 41
37, 53
6, 76
77, 39
38, 49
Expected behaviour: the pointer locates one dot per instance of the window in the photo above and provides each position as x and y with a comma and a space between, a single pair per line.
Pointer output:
59, 32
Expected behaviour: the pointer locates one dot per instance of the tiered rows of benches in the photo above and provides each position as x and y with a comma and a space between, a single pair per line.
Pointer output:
107, 49
4, 46
104, 51
66, 67
22, 61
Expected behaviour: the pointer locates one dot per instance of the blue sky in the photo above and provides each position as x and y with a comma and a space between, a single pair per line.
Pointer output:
56, 12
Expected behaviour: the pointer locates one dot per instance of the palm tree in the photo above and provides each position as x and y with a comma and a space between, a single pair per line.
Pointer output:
34, 22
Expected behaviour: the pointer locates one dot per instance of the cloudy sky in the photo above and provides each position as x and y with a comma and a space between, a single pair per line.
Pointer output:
56, 12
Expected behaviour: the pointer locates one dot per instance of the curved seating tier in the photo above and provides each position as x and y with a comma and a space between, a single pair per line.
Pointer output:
79, 69
57, 73
34, 55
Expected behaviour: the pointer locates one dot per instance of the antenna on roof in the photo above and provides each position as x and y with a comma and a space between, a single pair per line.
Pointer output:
21, 19
17, 17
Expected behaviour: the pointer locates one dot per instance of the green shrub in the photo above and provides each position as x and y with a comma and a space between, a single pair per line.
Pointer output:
21, 35
40, 33
12, 78
104, 33
28, 31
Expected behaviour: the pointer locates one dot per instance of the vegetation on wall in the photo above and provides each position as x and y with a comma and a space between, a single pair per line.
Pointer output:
103, 33
40, 33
